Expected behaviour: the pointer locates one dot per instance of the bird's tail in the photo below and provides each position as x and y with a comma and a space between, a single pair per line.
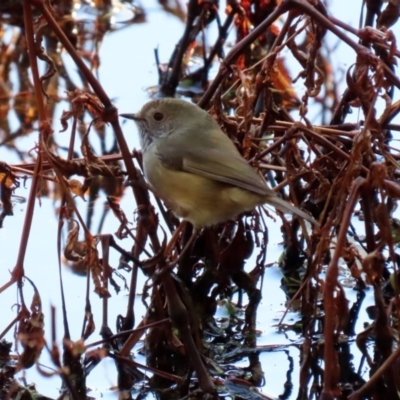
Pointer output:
286, 207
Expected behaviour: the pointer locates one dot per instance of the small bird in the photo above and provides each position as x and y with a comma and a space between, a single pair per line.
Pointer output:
196, 169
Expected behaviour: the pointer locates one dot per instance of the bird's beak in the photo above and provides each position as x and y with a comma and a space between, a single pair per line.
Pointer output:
130, 116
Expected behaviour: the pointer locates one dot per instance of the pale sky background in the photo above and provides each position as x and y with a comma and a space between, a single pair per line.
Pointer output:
128, 88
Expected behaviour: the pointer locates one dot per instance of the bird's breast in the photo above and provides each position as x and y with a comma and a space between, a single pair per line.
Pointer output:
200, 200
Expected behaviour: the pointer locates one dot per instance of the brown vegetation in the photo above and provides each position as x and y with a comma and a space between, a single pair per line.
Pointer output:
327, 169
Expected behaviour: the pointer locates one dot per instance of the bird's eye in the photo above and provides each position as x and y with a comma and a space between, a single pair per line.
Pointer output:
158, 116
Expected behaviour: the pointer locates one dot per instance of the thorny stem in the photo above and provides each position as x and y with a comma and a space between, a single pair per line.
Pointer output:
322, 141
18, 271
283, 7
178, 311
330, 289
70, 154
364, 390
171, 80
237, 50
144, 228
83, 68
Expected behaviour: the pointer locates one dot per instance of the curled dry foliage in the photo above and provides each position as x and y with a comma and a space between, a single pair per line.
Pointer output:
338, 170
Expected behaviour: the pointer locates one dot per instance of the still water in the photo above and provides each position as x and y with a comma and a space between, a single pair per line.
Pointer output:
127, 70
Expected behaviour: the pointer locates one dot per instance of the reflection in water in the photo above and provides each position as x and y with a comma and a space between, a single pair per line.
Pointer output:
72, 193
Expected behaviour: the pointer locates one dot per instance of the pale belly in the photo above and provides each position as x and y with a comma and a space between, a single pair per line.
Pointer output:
202, 201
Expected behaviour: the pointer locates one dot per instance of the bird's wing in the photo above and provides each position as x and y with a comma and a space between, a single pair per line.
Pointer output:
212, 163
